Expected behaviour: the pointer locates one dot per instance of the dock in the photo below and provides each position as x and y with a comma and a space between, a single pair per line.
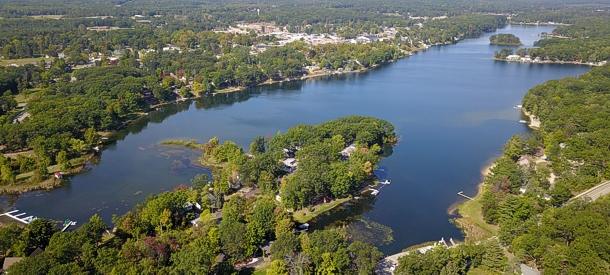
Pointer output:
386, 182
67, 224
461, 193
26, 220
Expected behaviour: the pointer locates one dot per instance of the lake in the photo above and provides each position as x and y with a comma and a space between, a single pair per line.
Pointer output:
452, 107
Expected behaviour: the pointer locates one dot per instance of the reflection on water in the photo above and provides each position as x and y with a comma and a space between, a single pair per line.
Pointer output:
343, 215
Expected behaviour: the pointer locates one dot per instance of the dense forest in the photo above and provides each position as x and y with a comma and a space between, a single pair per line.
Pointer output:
505, 39
586, 41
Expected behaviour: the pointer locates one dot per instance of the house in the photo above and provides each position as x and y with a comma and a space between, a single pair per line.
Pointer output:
289, 153
234, 182
210, 198
195, 222
524, 160
188, 206
513, 57
366, 39
36, 252
171, 48
290, 163
8, 261
348, 150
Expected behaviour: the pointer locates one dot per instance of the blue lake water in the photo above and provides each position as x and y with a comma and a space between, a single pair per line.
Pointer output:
451, 105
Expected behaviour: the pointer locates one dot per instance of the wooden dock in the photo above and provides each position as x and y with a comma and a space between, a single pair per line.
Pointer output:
11, 214
461, 193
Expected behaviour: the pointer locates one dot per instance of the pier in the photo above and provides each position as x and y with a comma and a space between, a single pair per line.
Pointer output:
461, 193
386, 182
67, 224
26, 220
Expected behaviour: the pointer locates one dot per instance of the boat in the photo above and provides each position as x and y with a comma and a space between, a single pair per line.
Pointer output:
385, 182
304, 226
522, 121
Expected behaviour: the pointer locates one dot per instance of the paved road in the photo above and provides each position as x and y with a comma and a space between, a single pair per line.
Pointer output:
595, 192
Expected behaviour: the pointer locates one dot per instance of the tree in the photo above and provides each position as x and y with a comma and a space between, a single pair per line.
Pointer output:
91, 136
298, 263
9, 236
514, 147
39, 265
65, 247
199, 257
493, 258
364, 257
185, 93
94, 229
200, 181
327, 266
277, 267
258, 146
233, 239
165, 220
62, 160
285, 244
69, 268
36, 235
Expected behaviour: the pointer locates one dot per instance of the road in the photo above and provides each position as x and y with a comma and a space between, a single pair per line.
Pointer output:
595, 192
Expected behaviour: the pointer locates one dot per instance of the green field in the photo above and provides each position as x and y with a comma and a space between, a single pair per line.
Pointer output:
45, 16
472, 222
22, 61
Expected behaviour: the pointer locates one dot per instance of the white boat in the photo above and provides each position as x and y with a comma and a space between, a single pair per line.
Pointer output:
522, 121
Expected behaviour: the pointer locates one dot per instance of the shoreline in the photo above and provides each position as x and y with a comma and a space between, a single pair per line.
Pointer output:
549, 62
468, 213
229, 90
534, 120
485, 169
51, 182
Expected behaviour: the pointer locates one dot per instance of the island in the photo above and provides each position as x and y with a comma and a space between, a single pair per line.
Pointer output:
505, 39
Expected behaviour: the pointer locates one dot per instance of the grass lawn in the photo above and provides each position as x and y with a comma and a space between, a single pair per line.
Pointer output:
304, 215
45, 16
22, 61
472, 222
20, 98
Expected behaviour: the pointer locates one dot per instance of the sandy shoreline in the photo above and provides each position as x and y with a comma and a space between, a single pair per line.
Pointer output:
484, 172
534, 120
